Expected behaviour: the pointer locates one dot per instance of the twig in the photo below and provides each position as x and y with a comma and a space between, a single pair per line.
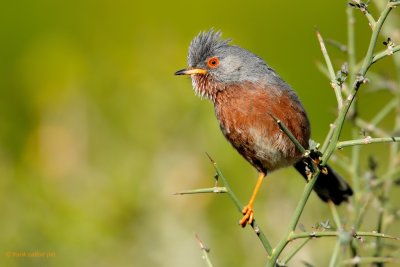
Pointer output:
365, 260
370, 18
367, 140
381, 215
300, 206
335, 215
335, 254
355, 153
370, 127
351, 53
328, 138
334, 83
362, 211
203, 190
293, 252
264, 240
294, 236
283, 127
374, 38
204, 250
384, 53
384, 112
295, 219
358, 81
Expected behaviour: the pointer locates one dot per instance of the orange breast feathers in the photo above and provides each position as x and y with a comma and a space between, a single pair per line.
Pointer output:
246, 122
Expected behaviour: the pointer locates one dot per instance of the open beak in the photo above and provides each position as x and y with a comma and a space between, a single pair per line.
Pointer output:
190, 71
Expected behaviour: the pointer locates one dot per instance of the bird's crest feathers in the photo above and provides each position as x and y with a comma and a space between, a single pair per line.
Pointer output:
203, 46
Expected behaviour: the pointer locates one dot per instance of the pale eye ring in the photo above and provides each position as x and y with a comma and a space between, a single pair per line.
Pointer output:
213, 62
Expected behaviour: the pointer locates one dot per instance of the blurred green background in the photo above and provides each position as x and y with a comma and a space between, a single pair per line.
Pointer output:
96, 133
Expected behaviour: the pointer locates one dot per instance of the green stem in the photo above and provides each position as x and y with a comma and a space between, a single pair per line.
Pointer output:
335, 254
328, 138
204, 190
264, 240
361, 212
341, 161
289, 134
355, 163
384, 112
294, 236
300, 206
335, 215
295, 219
365, 260
370, 127
334, 83
293, 252
378, 249
204, 251
370, 18
384, 53
393, 160
364, 68
336, 218
351, 51
374, 38
355, 155
367, 140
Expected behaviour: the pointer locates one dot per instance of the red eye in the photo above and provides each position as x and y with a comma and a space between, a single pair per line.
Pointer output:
213, 62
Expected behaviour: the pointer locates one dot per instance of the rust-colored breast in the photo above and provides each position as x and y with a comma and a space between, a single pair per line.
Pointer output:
243, 114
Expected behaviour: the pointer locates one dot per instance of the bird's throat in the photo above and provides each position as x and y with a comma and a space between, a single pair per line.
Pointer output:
204, 86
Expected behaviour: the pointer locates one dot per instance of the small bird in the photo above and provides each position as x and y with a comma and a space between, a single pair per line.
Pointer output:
247, 94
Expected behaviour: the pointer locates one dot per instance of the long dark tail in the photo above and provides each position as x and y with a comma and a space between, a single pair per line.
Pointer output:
330, 186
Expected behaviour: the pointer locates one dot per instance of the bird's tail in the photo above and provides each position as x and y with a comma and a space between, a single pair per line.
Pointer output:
329, 186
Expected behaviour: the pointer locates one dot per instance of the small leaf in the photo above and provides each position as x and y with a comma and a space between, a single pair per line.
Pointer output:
326, 224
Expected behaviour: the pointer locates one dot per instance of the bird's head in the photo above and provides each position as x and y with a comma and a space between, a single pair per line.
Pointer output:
214, 64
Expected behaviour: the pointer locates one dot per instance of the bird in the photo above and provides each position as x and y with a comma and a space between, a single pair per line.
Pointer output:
247, 94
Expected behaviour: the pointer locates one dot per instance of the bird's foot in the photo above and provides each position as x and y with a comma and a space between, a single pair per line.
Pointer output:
248, 217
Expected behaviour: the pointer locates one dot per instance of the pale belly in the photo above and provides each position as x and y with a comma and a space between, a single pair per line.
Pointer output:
266, 152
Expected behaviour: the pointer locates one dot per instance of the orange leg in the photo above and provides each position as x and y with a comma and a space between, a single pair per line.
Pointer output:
248, 209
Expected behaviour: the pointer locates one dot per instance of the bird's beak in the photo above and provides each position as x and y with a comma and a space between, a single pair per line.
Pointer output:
190, 71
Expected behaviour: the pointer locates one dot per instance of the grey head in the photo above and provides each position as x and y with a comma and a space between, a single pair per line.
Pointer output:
214, 64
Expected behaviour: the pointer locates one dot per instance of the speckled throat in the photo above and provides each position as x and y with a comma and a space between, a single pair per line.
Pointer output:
205, 87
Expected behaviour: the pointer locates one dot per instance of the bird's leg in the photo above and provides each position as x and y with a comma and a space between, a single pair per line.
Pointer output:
248, 209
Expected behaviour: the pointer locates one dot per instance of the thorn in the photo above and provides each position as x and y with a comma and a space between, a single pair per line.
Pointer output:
210, 158
201, 244
275, 118
216, 177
